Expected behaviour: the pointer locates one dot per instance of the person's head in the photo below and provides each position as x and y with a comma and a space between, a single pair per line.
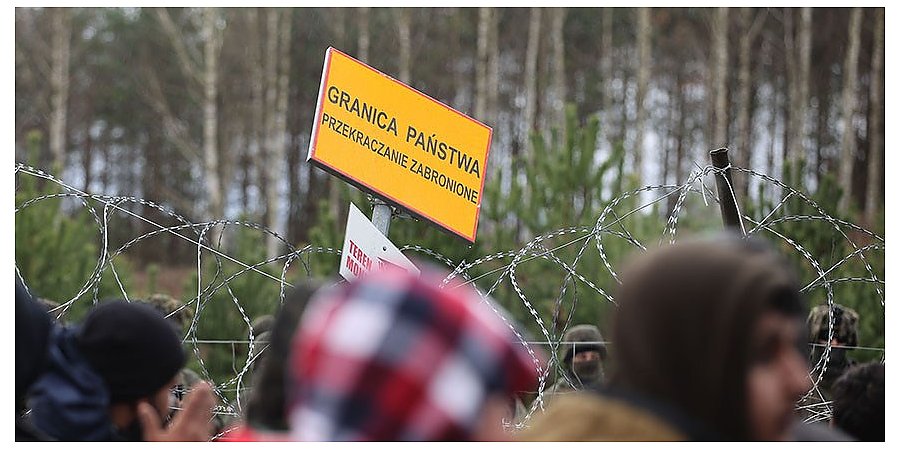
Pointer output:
582, 354
136, 352
713, 328
844, 323
859, 402
392, 357
844, 328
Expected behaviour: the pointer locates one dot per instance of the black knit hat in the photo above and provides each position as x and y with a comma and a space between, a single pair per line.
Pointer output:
133, 348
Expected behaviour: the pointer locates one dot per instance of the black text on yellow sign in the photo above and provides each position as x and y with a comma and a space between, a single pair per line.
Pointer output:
400, 144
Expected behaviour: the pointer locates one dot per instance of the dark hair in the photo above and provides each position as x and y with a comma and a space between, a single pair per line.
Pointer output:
685, 314
859, 402
266, 407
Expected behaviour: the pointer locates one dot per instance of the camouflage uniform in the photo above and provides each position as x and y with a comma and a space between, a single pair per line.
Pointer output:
569, 381
845, 333
169, 307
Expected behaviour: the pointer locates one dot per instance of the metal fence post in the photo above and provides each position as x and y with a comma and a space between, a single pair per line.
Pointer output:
725, 187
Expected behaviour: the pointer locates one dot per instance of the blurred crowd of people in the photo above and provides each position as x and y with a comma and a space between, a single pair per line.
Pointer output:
710, 341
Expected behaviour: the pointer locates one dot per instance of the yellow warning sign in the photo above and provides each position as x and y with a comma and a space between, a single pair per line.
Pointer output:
399, 144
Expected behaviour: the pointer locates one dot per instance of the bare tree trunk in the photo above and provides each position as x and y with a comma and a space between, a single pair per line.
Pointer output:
876, 150
680, 136
797, 62
557, 41
720, 77
88, 157
802, 101
332, 183
59, 87
643, 85
848, 141
750, 29
793, 94
363, 41
481, 69
339, 27
403, 32
210, 115
256, 148
203, 80
278, 163
270, 80
606, 71
493, 76
531, 54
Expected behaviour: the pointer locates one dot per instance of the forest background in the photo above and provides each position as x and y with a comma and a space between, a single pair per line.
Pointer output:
208, 112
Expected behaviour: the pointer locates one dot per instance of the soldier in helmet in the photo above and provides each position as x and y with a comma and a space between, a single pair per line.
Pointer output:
581, 358
845, 334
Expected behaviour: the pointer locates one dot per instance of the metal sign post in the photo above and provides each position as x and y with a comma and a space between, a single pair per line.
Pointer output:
381, 216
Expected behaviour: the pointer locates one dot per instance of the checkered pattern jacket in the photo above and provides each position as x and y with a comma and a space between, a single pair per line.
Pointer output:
391, 357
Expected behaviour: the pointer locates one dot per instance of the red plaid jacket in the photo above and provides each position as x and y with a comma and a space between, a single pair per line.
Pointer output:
391, 357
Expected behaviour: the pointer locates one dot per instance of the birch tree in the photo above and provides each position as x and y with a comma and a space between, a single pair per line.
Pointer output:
848, 139
202, 73
531, 56
797, 64
606, 69
279, 39
363, 38
403, 32
750, 26
493, 69
59, 85
481, 68
720, 77
643, 85
876, 149
558, 61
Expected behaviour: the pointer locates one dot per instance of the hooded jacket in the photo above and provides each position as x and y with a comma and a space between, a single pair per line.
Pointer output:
681, 339
579, 338
70, 402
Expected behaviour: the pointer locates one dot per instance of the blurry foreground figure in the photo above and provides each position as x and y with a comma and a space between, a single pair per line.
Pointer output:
859, 402
707, 343
33, 327
264, 416
391, 357
110, 378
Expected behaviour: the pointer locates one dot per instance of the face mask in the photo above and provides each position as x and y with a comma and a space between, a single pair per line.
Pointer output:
587, 371
837, 358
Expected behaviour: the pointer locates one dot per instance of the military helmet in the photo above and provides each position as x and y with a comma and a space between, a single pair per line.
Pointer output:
846, 325
263, 324
581, 333
166, 304
259, 344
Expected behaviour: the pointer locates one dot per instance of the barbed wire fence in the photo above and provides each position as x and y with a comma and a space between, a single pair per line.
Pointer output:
479, 273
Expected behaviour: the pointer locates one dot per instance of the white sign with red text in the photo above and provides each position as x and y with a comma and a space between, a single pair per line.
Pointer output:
366, 249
